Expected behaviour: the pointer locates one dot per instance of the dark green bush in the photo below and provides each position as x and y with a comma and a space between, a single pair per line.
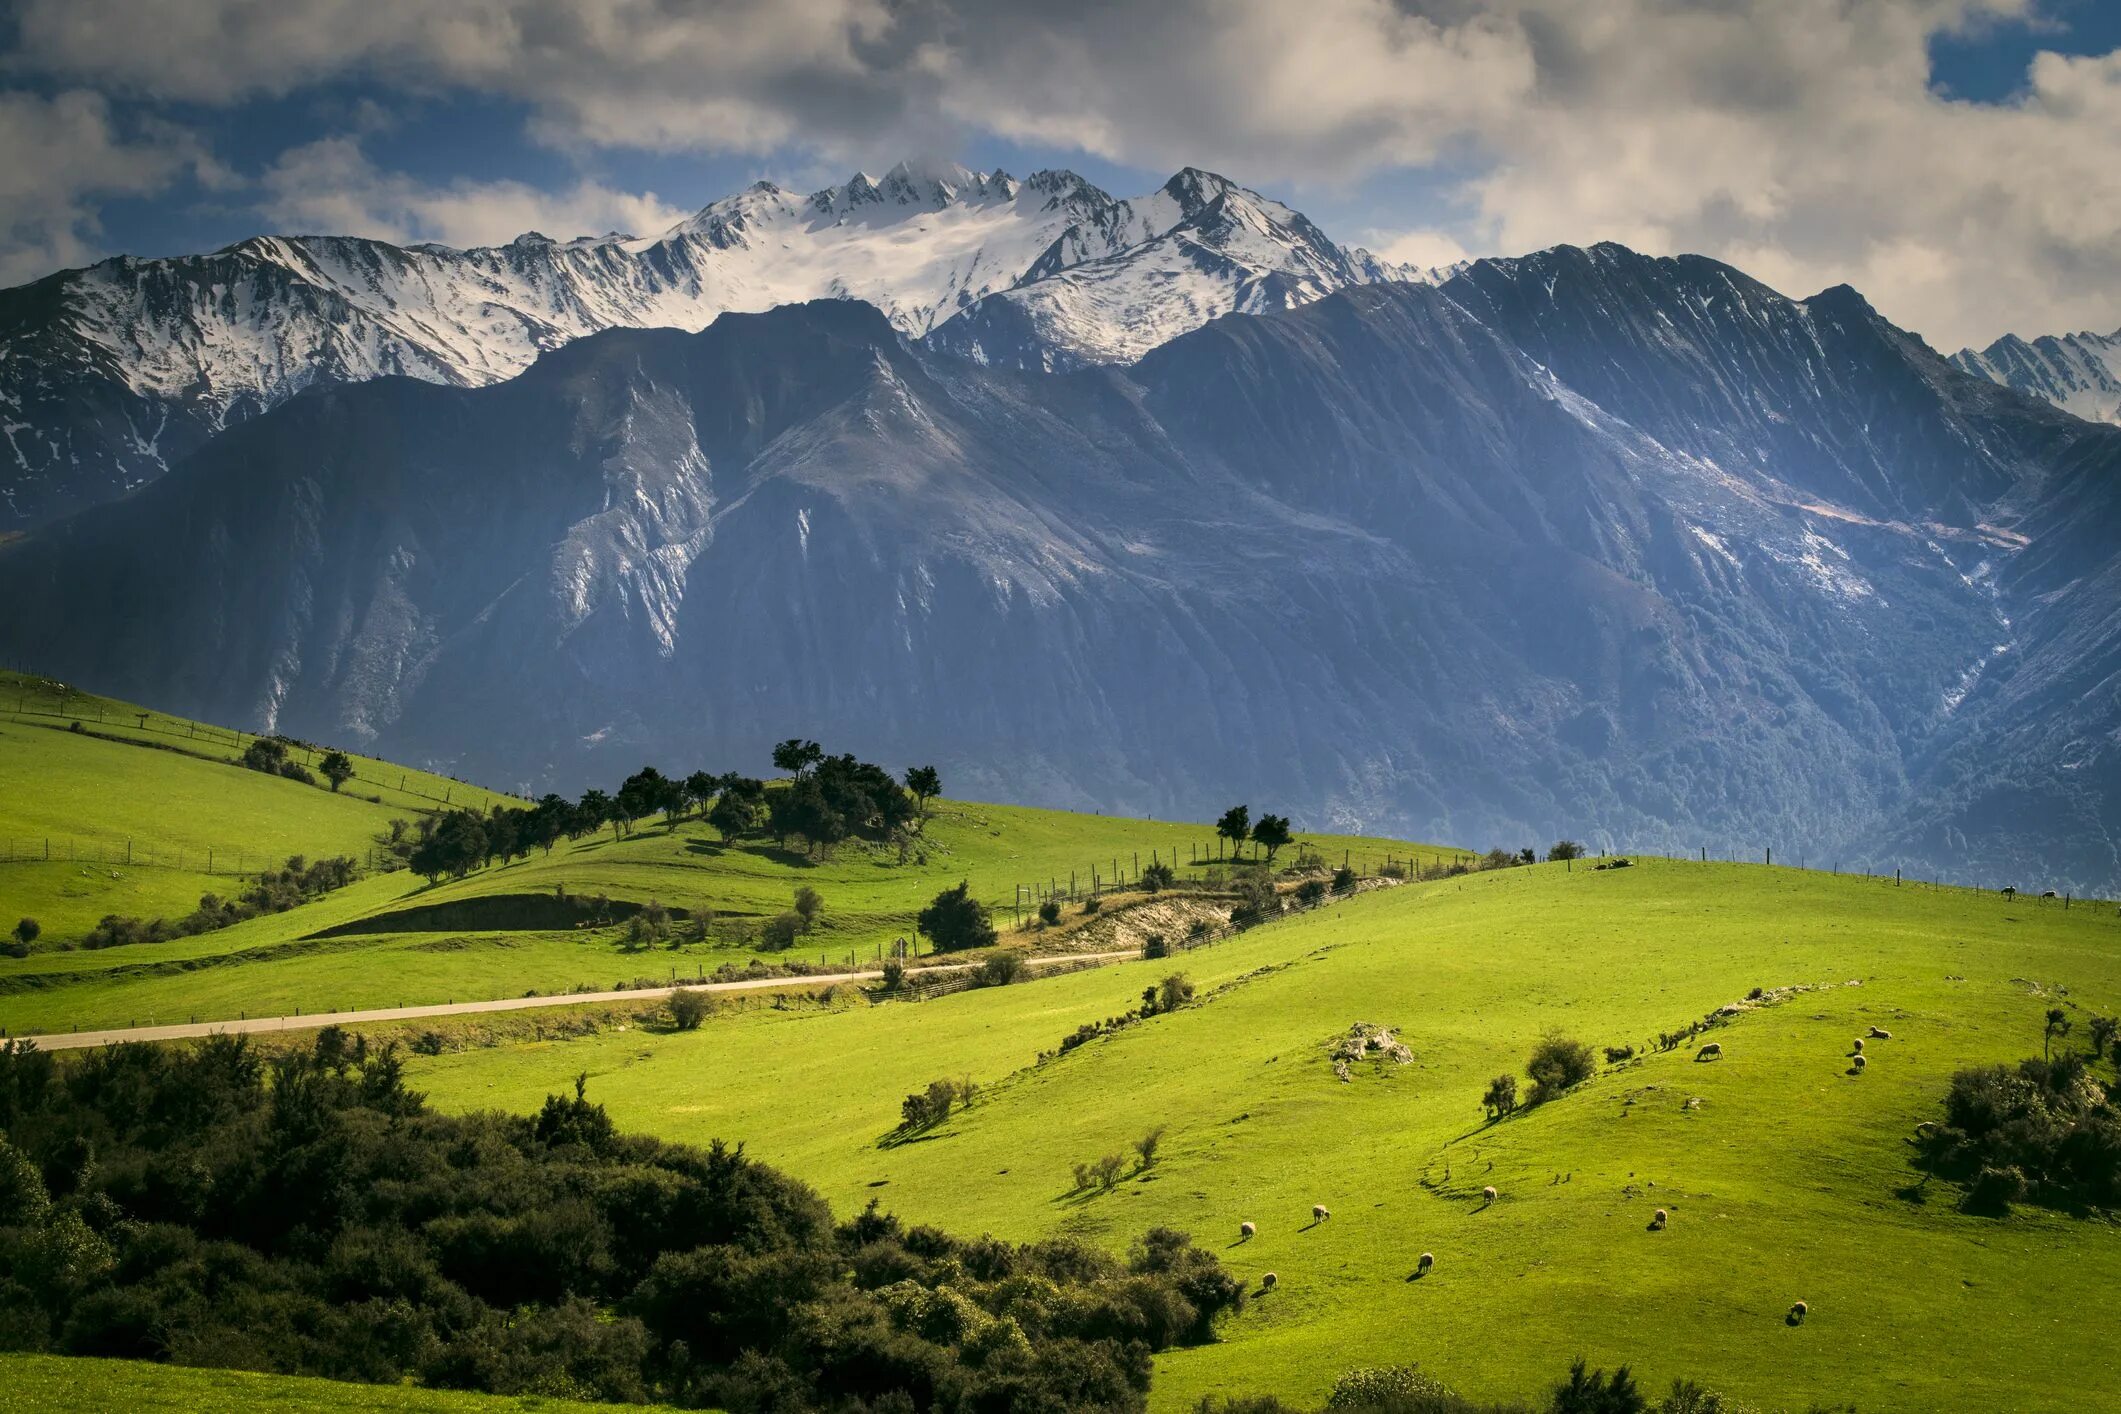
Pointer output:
1558, 1062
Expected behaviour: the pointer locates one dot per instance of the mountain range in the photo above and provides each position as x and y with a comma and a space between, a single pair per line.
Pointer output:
2080, 373
1590, 543
111, 374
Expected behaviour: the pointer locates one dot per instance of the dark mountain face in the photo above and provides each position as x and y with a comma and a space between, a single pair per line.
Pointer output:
1590, 544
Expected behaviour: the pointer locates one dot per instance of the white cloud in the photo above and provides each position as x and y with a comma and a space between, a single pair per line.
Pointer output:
1801, 138
330, 186
64, 157
1424, 248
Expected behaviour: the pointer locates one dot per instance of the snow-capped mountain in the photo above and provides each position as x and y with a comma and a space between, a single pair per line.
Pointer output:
111, 373
2079, 373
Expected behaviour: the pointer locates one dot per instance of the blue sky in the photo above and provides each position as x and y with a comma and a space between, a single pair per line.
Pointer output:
1953, 158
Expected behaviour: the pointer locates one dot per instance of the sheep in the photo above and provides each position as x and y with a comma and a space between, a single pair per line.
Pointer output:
1798, 1311
1659, 1219
1712, 1051
1859, 1045
1428, 1260
1266, 1283
1319, 1212
1879, 1033
1487, 1195
1246, 1231
1858, 1063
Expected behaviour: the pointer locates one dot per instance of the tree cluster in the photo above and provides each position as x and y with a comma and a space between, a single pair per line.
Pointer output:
2047, 1132
275, 891
307, 1214
1269, 832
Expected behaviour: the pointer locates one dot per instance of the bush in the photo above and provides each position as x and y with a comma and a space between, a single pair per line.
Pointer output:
1501, 1097
1155, 946
1000, 969
1614, 1055
894, 975
27, 930
924, 1109
2046, 1132
1168, 995
778, 933
1198, 930
956, 921
1386, 1387
1106, 1170
1311, 893
809, 903
688, 1008
1158, 876
1256, 898
1558, 1063
1343, 880
1049, 912
1145, 1147
1092, 904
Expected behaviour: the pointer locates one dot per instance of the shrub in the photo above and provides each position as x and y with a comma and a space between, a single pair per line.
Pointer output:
1501, 1097
809, 903
1595, 1392
1155, 946
27, 930
1092, 904
2046, 1132
1614, 1055
924, 1109
779, 932
1168, 995
1497, 859
688, 1008
1105, 1171
2102, 1028
1000, 969
1158, 876
1146, 1146
1198, 930
1343, 880
1049, 912
1311, 893
956, 921
16, 949
1392, 869
1386, 1387
1564, 849
894, 975
1256, 899
1558, 1062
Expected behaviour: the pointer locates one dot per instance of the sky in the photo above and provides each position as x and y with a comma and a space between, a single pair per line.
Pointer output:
1958, 161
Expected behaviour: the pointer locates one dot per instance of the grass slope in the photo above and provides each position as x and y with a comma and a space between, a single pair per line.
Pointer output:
33, 1384
1790, 1180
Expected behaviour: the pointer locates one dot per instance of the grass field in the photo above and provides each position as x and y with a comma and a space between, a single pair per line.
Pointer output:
36, 1384
1790, 1180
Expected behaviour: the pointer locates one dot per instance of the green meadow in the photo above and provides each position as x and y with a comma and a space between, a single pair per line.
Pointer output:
42, 1384
1786, 1177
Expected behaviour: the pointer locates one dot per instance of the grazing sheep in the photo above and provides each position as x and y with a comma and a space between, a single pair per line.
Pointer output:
1858, 1065
1658, 1221
1319, 1213
1247, 1231
1428, 1260
1712, 1051
1488, 1194
1859, 1045
1798, 1312
1266, 1283
1879, 1033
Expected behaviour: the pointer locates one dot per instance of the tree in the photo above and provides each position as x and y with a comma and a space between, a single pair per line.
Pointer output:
1272, 832
699, 789
2057, 1028
802, 809
780, 931
926, 783
956, 921
1594, 1392
1235, 826
593, 812
2103, 1029
1501, 1099
337, 768
26, 931
795, 756
809, 903
1000, 969
688, 1008
1147, 1145
644, 793
457, 846
737, 809
1564, 849
1557, 1063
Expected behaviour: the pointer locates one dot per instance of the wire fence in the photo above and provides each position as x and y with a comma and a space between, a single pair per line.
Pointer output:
112, 853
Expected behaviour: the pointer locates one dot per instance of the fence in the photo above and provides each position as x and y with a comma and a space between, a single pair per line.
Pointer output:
136, 853
1093, 881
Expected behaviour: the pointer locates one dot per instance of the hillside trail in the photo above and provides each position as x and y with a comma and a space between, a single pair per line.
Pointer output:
75, 1040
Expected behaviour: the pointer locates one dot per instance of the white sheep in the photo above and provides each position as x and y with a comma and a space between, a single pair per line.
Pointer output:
1798, 1311
1657, 1222
1859, 1064
1266, 1283
1428, 1260
1319, 1212
1859, 1045
1487, 1194
1712, 1051
1881, 1033
1247, 1231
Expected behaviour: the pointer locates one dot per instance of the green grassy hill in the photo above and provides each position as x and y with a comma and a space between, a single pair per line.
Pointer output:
1786, 1177
38, 1384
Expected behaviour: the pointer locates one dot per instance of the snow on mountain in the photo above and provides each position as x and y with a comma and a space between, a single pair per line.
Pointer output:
110, 374
2079, 373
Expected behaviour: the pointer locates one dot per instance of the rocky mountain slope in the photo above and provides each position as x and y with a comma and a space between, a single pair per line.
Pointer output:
2080, 373
1587, 543
111, 374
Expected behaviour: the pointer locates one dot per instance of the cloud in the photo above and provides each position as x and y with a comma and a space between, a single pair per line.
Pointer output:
65, 156
329, 186
1801, 138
